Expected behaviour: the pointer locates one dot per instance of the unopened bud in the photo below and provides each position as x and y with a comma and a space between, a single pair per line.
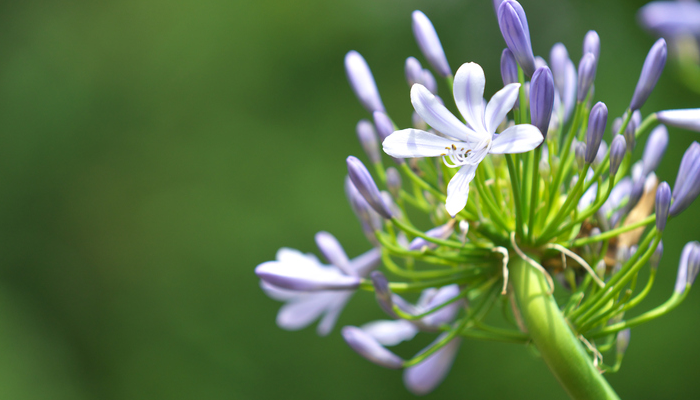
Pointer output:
596, 127
651, 71
361, 178
663, 201
362, 82
515, 31
429, 43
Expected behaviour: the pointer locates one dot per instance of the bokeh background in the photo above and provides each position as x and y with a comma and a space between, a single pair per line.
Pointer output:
153, 152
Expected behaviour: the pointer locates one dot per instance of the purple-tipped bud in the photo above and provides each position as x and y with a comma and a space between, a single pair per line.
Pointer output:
429, 43
631, 129
651, 71
369, 219
383, 124
596, 127
382, 292
586, 75
655, 149
424, 377
617, 153
368, 139
362, 82
591, 44
656, 256
515, 31
565, 79
686, 119
393, 181
509, 68
663, 201
623, 340
439, 232
687, 185
580, 155
542, 99
414, 71
305, 277
333, 251
429, 81
361, 178
369, 348
688, 266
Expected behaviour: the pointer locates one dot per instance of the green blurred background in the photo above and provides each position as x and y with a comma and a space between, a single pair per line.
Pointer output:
154, 152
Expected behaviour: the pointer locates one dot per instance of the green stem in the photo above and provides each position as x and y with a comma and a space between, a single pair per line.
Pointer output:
559, 347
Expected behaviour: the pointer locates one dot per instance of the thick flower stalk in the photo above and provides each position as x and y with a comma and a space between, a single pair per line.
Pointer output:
524, 197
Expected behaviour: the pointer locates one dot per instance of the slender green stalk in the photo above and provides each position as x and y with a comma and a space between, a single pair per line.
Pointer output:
559, 347
613, 232
515, 185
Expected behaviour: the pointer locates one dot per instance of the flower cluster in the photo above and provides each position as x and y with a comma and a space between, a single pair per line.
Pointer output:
524, 196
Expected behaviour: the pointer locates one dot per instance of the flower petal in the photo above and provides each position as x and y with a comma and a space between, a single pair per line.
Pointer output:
409, 143
299, 314
500, 104
469, 94
458, 189
439, 117
425, 376
517, 139
390, 333
280, 294
304, 277
333, 310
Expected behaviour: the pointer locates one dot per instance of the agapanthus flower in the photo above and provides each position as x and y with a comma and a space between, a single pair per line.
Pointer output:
466, 145
303, 307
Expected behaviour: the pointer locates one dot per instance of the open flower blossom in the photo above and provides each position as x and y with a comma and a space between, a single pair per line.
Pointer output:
468, 144
303, 307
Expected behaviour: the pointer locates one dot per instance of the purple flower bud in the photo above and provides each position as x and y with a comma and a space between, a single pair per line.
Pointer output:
382, 292
424, 377
602, 152
596, 127
369, 348
361, 178
656, 256
509, 68
591, 44
383, 124
655, 148
617, 153
429, 43
688, 266
393, 181
686, 119
429, 81
333, 252
515, 31
651, 71
439, 232
542, 99
631, 129
362, 82
305, 277
368, 139
369, 219
414, 71
565, 79
663, 201
623, 340
586, 75
670, 19
687, 185
580, 155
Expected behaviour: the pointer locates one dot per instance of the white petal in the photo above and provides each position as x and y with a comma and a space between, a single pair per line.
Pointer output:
425, 376
458, 189
390, 333
469, 94
409, 143
500, 104
517, 139
299, 314
333, 311
293, 256
304, 277
439, 117
280, 294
